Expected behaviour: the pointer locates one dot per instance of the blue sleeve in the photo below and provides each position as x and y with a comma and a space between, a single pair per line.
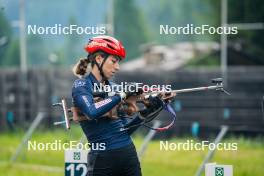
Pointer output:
132, 124
83, 99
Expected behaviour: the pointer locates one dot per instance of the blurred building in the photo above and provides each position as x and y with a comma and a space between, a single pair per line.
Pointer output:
170, 57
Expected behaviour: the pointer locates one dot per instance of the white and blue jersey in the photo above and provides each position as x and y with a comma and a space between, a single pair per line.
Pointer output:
101, 129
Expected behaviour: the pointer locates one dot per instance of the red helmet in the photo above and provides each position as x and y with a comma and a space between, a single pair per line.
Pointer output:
107, 44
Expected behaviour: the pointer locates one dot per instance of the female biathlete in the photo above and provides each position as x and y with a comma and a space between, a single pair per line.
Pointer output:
115, 154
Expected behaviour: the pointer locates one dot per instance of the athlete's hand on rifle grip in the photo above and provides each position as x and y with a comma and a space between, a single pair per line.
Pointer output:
126, 95
154, 106
168, 96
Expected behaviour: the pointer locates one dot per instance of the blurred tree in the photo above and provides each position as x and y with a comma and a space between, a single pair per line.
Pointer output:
37, 54
130, 26
56, 58
213, 16
247, 11
72, 47
177, 14
247, 42
12, 55
5, 36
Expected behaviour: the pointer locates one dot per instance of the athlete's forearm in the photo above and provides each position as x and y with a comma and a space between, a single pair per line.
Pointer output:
96, 110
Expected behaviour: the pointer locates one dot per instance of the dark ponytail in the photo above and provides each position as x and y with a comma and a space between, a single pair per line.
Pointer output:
81, 67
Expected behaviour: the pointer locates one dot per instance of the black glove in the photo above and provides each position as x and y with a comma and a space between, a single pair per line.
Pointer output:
152, 110
133, 89
134, 93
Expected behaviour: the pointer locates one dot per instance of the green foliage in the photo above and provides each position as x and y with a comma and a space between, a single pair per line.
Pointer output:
5, 32
178, 14
12, 56
247, 11
60, 58
5, 29
130, 26
72, 45
36, 51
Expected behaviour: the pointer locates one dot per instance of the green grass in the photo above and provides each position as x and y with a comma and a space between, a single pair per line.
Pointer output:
248, 160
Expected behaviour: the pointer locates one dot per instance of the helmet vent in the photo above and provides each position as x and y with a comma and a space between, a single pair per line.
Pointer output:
110, 47
108, 40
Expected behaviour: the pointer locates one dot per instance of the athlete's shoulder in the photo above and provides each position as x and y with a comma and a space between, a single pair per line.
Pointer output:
78, 83
81, 87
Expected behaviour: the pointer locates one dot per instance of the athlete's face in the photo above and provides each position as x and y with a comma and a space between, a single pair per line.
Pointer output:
111, 66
